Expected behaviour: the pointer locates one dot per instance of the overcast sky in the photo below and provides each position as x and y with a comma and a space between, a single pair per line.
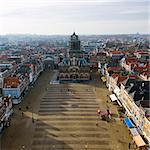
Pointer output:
82, 16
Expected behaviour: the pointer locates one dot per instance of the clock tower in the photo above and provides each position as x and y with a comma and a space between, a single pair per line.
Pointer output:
74, 44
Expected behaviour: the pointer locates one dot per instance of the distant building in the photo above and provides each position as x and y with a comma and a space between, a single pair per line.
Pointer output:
74, 67
75, 47
6, 110
74, 44
15, 87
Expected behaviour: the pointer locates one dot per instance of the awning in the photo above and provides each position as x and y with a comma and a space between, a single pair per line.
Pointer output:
99, 70
113, 97
103, 79
117, 91
134, 132
128, 122
139, 141
119, 103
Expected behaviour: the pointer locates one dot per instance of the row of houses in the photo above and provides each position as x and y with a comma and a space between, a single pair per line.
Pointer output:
16, 78
17, 82
127, 76
6, 110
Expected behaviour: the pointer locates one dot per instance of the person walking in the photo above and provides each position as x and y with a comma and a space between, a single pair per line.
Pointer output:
129, 146
108, 114
27, 107
22, 113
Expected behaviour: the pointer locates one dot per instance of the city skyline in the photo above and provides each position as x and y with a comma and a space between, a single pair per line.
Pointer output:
83, 16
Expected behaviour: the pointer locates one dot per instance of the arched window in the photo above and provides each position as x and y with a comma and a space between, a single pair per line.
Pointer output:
61, 75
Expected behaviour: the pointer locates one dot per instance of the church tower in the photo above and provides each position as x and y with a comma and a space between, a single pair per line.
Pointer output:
74, 44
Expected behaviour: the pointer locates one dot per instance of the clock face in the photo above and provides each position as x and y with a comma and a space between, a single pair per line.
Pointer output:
74, 36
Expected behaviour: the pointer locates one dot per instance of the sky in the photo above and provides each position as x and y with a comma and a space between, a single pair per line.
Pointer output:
82, 16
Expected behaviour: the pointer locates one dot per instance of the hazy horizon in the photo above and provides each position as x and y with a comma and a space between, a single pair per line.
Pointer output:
30, 34
63, 17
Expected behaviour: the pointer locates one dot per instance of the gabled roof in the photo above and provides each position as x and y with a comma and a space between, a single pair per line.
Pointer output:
131, 60
131, 79
121, 79
11, 82
143, 53
116, 52
114, 69
140, 69
115, 75
146, 73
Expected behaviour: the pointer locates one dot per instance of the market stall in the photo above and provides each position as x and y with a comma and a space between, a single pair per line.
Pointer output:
134, 132
139, 141
113, 97
128, 122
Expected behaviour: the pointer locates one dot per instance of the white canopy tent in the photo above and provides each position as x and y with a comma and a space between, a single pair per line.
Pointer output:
113, 97
134, 131
117, 91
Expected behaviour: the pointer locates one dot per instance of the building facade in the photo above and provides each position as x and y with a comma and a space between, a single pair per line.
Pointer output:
74, 46
73, 67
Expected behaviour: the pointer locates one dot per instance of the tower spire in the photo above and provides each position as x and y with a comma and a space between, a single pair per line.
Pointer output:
74, 32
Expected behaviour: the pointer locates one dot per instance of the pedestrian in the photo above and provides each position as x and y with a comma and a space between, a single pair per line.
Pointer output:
98, 111
27, 107
108, 114
32, 120
22, 114
23, 147
129, 145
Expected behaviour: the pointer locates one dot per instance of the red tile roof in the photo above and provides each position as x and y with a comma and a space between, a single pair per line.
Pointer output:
146, 73
115, 75
116, 52
3, 57
140, 69
131, 60
132, 76
143, 53
121, 79
114, 69
11, 82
